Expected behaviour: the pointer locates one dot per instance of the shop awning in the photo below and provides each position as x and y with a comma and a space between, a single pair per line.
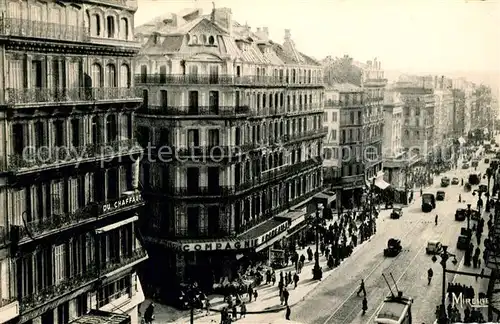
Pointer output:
326, 198
101, 317
380, 183
116, 225
267, 233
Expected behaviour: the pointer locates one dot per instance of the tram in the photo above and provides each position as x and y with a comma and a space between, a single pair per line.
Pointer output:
396, 309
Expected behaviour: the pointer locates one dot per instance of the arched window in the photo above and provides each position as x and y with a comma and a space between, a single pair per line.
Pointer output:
124, 76
123, 28
110, 26
204, 39
211, 40
95, 25
96, 76
111, 76
294, 75
195, 39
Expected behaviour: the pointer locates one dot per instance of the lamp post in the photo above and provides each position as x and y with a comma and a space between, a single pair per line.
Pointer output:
445, 255
317, 272
468, 216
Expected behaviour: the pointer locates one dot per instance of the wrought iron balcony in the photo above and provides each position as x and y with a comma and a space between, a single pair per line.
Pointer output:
122, 261
194, 111
49, 293
223, 79
94, 211
41, 29
35, 159
62, 95
304, 135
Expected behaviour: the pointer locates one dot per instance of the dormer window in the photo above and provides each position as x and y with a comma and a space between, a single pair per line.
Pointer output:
194, 40
203, 39
211, 40
155, 39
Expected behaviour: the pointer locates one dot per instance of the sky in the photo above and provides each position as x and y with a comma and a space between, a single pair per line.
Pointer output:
426, 36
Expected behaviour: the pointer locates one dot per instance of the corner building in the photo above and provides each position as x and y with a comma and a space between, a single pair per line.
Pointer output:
68, 198
240, 120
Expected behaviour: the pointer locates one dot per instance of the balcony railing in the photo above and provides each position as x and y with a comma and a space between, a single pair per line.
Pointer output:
59, 222
123, 260
41, 29
195, 111
272, 213
221, 79
67, 285
302, 135
67, 155
48, 293
46, 95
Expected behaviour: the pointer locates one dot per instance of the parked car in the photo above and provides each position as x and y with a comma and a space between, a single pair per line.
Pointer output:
440, 195
455, 181
474, 164
393, 247
465, 166
483, 188
445, 182
397, 213
460, 214
433, 247
462, 242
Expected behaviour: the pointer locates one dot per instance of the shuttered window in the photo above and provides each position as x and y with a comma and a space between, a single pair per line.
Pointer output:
59, 263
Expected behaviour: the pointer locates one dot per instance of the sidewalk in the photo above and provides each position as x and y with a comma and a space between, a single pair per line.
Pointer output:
268, 299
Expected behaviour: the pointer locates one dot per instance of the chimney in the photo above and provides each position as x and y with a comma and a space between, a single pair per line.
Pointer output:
266, 31
223, 17
442, 82
288, 35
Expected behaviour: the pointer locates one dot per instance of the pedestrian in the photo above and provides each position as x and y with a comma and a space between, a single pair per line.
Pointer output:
436, 220
286, 295
255, 295
250, 293
235, 313
288, 312
365, 305
430, 273
362, 288
207, 306
149, 315
243, 310
295, 279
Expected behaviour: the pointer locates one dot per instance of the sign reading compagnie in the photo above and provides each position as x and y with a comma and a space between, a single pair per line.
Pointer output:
127, 201
218, 246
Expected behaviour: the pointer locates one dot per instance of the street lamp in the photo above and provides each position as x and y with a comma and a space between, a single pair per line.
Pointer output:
317, 272
468, 216
445, 255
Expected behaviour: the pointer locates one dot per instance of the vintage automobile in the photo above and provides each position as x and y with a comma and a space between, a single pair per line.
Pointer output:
428, 202
393, 247
460, 214
463, 242
465, 166
483, 188
467, 187
433, 247
475, 164
455, 181
440, 195
445, 182
396, 213
474, 179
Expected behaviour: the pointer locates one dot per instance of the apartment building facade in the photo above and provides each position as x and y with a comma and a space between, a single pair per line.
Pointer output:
331, 146
241, 117
68, 199
417, 94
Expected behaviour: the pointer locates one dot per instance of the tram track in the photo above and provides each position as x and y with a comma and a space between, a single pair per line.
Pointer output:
344, 313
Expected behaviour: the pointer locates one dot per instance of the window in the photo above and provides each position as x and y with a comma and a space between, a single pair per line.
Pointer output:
113, 291
214, 74
204, 39
194, 40
211, 40
95, 25
193, 221
163, 98
96, 76
213, 218
124, 76
110, 25
59, 263
111, 129
95, 130
58, 133
334, 135
213, 137
111, 76
213, 179
123, 28
193, 138
75, 132
213, 98
334, 116
193, 102
39, 134
163, 74
144, 73
36, 74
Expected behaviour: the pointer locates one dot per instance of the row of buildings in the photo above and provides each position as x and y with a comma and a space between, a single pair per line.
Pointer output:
207, 137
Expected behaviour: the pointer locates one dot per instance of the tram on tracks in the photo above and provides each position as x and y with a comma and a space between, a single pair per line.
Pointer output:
396, 308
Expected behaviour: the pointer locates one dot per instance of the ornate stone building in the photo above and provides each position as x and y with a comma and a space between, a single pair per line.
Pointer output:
238, 119
68, 198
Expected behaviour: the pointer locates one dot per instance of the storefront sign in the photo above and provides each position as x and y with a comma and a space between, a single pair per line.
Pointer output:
127, 201
274, 232
219, 246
